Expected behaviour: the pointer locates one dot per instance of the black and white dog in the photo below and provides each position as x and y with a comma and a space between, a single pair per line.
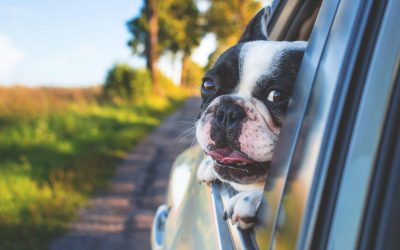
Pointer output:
245, 96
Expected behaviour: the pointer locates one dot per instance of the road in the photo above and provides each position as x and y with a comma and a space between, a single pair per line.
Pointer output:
121, 218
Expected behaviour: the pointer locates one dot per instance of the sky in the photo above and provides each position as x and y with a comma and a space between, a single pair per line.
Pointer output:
65, 43
70, 43
73, 43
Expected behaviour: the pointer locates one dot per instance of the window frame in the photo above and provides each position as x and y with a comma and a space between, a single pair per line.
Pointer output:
220, 193
312, 122
316, 136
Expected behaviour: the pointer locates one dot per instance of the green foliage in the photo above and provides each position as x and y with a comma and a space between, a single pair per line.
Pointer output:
52, 161
194, 75
228, 19
127, 83
179, 27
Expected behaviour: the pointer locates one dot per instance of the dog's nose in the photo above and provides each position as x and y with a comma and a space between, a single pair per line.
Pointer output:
228, 116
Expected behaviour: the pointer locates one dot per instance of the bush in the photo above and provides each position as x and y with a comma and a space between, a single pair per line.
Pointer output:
127, 83
194, 75
57, 148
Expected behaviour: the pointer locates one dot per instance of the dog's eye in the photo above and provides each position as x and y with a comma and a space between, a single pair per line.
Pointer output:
276, 96
209, 86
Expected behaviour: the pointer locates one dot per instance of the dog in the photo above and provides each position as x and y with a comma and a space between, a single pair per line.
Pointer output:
244, 101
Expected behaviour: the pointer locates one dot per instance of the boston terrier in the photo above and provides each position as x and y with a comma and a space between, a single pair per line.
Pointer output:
244, 100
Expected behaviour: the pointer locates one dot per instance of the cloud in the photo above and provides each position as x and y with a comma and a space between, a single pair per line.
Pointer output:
10, 57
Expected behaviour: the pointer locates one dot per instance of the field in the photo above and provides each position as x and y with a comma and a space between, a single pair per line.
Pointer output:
57, 147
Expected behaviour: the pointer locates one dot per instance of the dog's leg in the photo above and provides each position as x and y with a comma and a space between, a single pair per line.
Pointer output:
242, 208
205, 172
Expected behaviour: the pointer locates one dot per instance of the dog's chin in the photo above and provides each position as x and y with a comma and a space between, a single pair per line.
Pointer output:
238, 168
243, 173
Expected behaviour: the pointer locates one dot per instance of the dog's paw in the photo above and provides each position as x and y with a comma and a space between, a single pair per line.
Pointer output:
242, 208
205, 172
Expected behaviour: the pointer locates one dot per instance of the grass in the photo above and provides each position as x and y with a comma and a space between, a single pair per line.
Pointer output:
57, 147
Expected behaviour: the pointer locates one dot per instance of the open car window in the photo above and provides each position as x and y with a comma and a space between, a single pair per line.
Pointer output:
314, 139
290, 21
329, 131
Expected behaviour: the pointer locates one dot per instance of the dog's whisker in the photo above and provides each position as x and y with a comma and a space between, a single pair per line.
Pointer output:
193, 142
186, 132
184, 137
186, 122
190, 117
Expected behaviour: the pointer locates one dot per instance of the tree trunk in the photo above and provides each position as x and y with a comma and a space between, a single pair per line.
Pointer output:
152, 42
185, 65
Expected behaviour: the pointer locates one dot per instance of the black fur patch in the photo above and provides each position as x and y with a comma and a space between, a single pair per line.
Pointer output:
254, 30
224, 73
282, 78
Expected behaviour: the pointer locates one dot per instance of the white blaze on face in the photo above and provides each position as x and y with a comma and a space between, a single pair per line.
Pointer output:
256, 60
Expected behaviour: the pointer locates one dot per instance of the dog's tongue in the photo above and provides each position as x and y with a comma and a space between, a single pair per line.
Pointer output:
229, 156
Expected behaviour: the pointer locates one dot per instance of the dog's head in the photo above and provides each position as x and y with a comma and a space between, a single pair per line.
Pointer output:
245, 96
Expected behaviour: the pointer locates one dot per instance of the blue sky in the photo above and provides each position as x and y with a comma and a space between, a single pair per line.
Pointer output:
73, 43
63, 43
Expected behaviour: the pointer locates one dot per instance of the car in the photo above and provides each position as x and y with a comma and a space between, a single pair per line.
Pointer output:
336, 171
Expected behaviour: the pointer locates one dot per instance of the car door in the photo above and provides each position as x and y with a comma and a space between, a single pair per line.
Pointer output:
324, 192
293, 209
192, 216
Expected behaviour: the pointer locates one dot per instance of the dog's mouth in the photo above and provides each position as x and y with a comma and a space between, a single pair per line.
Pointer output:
233, 165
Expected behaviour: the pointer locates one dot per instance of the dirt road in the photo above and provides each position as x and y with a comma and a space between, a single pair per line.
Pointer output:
121, 218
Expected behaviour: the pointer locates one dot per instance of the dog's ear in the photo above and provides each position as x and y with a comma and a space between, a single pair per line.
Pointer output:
257, 28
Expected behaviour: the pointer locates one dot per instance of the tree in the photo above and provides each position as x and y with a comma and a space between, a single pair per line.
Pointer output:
126, 83
179, 30
228, 19
145, 29
194, 74
152, 40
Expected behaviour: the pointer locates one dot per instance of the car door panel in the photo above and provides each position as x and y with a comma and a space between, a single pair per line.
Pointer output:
313, 143
366, 137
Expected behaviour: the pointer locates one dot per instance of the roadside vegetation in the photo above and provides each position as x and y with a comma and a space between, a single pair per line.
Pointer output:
59, 146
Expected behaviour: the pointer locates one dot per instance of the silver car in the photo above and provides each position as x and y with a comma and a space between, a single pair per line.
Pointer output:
337, 184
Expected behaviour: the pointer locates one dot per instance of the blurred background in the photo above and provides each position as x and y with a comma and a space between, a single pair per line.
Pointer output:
82, 82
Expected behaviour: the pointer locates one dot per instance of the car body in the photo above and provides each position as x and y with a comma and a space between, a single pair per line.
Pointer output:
337, 163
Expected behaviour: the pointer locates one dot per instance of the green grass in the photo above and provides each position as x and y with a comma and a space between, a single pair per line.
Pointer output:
51, 162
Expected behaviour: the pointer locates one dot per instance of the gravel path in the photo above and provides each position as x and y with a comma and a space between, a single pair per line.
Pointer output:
121, 218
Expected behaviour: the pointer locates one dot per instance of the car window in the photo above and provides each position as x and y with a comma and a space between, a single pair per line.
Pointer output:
276, 182
306, 145
304, 14
368, 127
292, 196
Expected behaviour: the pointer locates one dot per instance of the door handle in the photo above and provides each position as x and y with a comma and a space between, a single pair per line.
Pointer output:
157, 234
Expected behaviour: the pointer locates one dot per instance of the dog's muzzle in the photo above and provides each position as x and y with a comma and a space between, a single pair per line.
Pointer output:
235, 166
